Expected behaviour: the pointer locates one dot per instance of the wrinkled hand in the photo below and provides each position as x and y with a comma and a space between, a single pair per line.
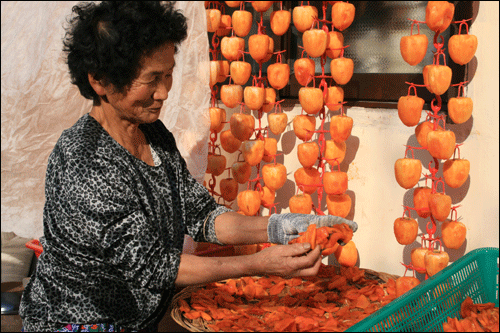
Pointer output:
289, 260
282, 228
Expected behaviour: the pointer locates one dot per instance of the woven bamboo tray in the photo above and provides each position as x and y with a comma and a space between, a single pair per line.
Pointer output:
200, 325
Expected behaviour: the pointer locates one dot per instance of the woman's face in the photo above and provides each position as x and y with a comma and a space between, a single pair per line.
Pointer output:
142, 101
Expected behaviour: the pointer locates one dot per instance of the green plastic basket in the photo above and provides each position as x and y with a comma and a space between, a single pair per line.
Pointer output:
427, 306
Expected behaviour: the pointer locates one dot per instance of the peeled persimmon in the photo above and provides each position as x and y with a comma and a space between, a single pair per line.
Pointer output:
311, 99
242, 126
308, 154
228, 189
253, 151
270, 149
303, 17
405, 284
228, 142
304, 126
308, 179
300, 204
347, 255
277, 122
267, 196
241, 171
335, 152
405, 230
338, 204
249, 202
335, 182
274, 175
453, 234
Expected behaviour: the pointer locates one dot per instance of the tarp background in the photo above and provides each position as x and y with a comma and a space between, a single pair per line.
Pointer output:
38, 102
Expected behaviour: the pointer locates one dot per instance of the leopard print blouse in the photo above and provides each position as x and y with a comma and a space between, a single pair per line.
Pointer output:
114, 228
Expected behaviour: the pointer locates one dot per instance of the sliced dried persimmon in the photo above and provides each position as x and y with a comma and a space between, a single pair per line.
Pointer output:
339, 282
296, 281
277, 288
184, 306
320, 297
260, 291
284, 324
362, 302
193, 314
342, 312
205, 316
311, 235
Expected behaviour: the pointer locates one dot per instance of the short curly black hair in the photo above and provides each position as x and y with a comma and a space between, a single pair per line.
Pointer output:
109, 39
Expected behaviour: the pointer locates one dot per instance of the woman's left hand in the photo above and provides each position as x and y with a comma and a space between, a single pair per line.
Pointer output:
282, 228
289, 260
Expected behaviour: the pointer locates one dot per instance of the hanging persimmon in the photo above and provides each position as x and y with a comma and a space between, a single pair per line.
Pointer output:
453, 234
269, 100
280, 21
270, 149
229, 142
338, 204
413, 48
437, 78
462, 48
407, 171
311, 99
278, 75
405, 230
340, 128
241, 171
342, 70
460, 109
308, 179
277, 122
242, 22
300, 204
456, 172
228, 189
334, 98
440, 206
441, 143
303, 17
240, 72
249, 202
410, 109
315, 42
254, 97
335, 182
231, 95
343, 15
438, 15
232, 47
304, 69
421, 201
308, 153
253, 151
274, 175
304, 126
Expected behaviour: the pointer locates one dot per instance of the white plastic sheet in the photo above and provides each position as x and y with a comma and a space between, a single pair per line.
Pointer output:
38, 102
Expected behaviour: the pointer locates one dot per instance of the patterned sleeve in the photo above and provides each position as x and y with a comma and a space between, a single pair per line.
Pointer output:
199, 208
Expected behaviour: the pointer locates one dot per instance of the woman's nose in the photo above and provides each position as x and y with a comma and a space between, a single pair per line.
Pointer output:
162, 89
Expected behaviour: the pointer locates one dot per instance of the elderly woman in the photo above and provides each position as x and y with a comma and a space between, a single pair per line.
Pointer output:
119, 198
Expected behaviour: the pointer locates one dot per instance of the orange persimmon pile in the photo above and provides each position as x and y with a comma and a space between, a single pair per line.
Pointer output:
476, 318
330, 301
326, 237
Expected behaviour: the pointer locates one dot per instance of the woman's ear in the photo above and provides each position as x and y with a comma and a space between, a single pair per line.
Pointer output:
97, 85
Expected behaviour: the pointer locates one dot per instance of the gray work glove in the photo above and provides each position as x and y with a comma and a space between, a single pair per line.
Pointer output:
282, 228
